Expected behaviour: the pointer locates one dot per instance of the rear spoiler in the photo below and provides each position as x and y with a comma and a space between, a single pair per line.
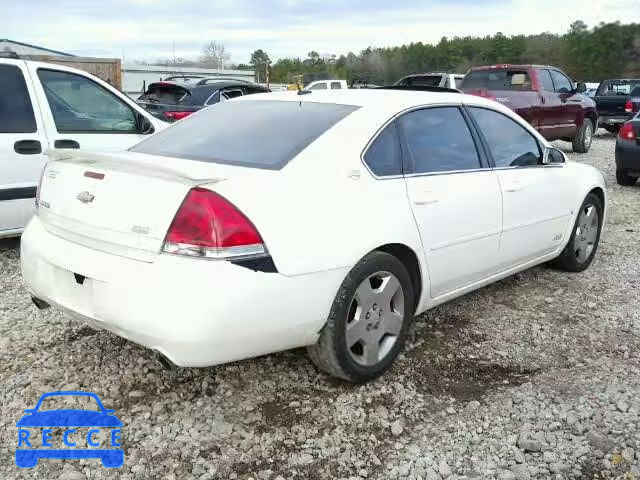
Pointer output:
122, 162
419, 88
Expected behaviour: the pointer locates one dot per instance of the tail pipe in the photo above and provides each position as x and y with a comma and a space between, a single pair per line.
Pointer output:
165, 362
41, 304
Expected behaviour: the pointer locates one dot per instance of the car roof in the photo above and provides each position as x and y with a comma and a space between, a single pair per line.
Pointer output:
509, 65
390, 101
208, 86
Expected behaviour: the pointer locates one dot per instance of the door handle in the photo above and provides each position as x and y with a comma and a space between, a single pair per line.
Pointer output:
66, 144
425, 198
27, 147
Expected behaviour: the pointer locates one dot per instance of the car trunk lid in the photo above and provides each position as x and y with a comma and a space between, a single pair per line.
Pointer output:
120, 204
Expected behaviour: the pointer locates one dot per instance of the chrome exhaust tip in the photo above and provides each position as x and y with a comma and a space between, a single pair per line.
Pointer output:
41, 304
165, 362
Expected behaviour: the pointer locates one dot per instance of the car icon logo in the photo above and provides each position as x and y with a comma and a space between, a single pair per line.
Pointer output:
85, 197
100, 430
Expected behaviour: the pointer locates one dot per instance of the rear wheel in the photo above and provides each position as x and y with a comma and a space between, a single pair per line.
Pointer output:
368, 322
582, 141
585, 237
612, 129
623, 178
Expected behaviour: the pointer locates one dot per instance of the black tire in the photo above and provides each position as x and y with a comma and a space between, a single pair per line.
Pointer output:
569, 260
624, 179
582, 141
331, 352
612, 129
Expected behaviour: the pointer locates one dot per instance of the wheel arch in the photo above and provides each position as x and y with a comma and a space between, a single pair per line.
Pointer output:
409, 259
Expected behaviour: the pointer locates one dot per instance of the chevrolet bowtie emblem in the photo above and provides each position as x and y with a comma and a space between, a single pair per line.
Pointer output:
85, 197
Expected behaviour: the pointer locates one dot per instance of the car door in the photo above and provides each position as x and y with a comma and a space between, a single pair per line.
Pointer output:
570, 104
22, 143
455, 197
537, 199
550, 116
84, 114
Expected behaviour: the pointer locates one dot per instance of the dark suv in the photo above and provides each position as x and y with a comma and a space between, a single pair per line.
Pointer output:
171, 100
542, 95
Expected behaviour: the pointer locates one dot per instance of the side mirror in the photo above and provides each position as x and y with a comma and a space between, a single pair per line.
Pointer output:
553, 156
145, 127
581, 87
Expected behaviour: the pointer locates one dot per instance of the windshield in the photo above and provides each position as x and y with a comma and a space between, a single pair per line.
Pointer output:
259, 134
619, 87
420, 81
497, 79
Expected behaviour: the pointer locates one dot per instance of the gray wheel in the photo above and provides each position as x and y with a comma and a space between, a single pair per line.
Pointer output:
368, 321
375, 318
583, 243
583, 139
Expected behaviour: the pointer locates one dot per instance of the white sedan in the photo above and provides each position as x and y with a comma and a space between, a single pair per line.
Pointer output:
325, 220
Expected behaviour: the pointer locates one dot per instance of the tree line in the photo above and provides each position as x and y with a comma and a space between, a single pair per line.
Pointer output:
608, 50
587, 54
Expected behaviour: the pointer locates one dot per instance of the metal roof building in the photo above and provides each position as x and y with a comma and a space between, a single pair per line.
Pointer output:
27, 49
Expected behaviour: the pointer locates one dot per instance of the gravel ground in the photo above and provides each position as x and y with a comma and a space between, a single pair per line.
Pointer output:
537, 376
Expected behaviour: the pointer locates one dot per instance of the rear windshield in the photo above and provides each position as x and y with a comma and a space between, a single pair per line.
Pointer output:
260, 134
497, 80
613, 88
164, 93
420, 81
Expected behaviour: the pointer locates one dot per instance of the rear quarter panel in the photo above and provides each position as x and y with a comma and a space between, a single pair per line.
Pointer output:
324, 210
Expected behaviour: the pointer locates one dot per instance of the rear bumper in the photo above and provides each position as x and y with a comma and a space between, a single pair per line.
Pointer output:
628, 155
195, 312
614, 120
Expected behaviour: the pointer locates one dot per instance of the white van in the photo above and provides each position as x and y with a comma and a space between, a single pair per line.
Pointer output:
47, 107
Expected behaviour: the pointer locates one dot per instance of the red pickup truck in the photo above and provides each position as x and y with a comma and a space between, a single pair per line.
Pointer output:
542, 95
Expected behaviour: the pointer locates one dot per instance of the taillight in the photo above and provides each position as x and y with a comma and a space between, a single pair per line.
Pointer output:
176, 115
39, 187
628, 107
627, 132
208, 225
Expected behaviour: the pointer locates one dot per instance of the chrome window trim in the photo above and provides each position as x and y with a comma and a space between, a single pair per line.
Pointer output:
447, 172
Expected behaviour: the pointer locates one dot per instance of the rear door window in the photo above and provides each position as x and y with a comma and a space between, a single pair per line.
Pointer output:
511, 145
497, 79
16, 111
437, 140
383, 155
248, 133
336, 86
561, 82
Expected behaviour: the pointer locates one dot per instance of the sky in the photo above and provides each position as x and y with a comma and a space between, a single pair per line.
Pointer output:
151, 29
